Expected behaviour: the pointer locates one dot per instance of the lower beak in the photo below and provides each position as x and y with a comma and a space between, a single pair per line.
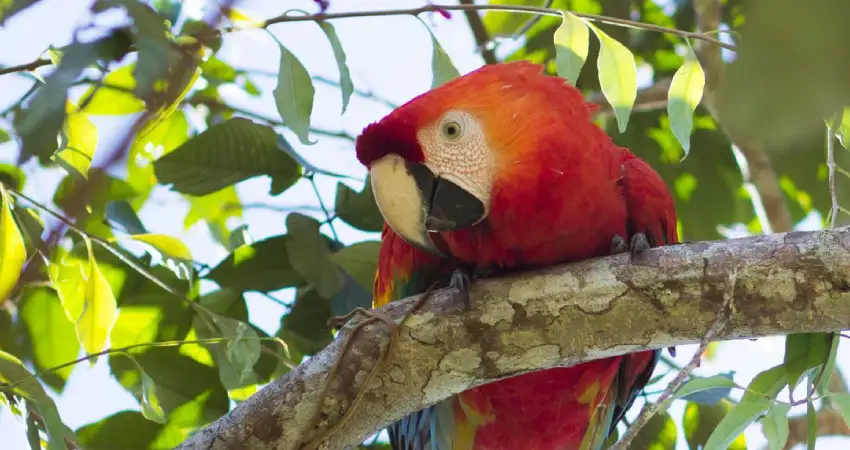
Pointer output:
414, 202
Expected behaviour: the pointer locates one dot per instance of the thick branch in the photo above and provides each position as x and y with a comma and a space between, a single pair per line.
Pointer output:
560, 316
761, 172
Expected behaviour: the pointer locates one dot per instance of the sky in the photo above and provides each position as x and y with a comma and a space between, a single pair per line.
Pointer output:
390, 56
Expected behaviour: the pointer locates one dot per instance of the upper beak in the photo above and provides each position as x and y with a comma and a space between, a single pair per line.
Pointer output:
415, 202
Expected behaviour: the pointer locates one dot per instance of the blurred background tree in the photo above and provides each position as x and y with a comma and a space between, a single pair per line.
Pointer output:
178, 224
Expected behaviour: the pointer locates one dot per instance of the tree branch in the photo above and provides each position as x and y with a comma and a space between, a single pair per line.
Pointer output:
560, 316
761, 173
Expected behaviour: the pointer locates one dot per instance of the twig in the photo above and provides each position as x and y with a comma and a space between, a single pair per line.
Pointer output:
479, 32
328, 217
537, 10
650, 409
214, 104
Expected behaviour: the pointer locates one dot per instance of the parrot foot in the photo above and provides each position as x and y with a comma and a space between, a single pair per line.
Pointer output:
637, 244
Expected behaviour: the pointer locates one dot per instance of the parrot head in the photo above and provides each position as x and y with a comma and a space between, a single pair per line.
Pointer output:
448, 159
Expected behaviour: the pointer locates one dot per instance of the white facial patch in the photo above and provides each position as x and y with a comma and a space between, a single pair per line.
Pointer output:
455, 149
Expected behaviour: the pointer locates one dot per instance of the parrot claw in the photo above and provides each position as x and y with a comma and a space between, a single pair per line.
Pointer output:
461, 280
672, 351
638, 243
618, 245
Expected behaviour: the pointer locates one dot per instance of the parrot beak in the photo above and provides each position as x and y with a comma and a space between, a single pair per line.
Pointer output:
415, 202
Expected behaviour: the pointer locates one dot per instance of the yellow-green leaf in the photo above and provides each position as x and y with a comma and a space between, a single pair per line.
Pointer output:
100, 312
168, 245
115, 97
572, 41
13, 252
56, 341
166, 136
442, 67
617, 76
242, 19
293, 95
346, 87
81, 144
683, 97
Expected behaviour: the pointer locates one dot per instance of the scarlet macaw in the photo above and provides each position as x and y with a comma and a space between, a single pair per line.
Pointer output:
503, 170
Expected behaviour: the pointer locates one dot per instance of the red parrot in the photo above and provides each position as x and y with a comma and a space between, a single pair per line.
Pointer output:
497, 171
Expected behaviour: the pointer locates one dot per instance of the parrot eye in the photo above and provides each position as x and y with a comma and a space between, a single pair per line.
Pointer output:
452, 130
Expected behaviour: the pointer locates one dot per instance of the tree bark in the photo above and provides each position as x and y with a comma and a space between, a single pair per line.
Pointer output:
560, 316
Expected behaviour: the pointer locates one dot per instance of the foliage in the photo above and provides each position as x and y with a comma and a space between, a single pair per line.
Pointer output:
176, 331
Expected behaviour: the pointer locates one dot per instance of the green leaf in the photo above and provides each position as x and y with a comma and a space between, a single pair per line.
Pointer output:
115, 97
151, 408
828, 369
756, 400
659, 433
13, 252
572, 41
39, 124
720, 383
123, 213
700, 420
81, 142
128, 430
684, 95
306, 325
293, 95
235, 357
309, 255
842, 132
217, 71
9, 8
358, 209
214, 209
225, 154
262, 266
352, 295
12, 370
775, 426
360, 260
442, 67
4, 136
617, 76
842, 402
151, 41
12, 176
804, 352
182, 382
346, 87
54, 338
